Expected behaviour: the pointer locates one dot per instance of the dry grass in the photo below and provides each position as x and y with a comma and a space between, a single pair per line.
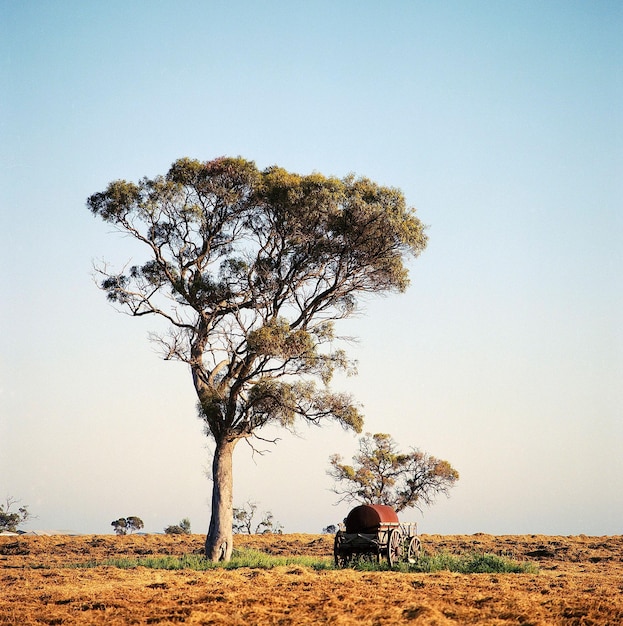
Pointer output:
580, 582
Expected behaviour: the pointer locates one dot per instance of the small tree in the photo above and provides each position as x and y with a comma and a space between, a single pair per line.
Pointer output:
380, 474
268, 525
243, 521
243, 518
134, 524
10, 521
120, 525
183, 528
125, 525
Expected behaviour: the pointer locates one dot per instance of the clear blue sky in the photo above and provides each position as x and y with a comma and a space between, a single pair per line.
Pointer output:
502, 122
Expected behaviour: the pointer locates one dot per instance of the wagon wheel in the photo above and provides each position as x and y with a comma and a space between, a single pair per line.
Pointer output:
413, 551
394, 547
341, 559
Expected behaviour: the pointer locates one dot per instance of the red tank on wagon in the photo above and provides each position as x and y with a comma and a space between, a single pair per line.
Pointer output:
375, 530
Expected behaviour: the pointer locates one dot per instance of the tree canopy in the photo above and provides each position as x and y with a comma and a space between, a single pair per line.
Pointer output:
127, 525
381, 474
251, 269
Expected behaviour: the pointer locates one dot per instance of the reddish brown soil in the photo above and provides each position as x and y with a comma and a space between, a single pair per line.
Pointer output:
580, 582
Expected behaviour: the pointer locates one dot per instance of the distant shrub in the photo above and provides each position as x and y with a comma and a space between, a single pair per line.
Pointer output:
183, 528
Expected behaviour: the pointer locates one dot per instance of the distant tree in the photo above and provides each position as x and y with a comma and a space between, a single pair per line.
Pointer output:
134, 524
243, 518
10, 521
243, 521
251, 269
380, 474
127, 525
331, 529
120, 526
183, 528
268, 525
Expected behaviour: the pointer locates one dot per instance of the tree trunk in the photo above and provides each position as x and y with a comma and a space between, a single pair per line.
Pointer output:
219, 542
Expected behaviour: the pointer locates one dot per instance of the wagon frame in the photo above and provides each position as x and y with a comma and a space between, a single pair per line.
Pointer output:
387, 538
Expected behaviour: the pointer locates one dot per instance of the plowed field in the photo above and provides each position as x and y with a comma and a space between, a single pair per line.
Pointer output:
580, 582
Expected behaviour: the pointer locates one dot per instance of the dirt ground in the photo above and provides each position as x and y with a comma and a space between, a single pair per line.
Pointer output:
580, 582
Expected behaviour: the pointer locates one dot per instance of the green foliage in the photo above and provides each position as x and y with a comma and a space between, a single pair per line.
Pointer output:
183, 528
258, 559
240, 558
120, 525
471, 563
127, 525
467, 563
380, 474
251, 268
10, 521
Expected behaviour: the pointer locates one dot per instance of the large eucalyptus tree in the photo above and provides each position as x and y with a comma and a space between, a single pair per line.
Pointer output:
251, 269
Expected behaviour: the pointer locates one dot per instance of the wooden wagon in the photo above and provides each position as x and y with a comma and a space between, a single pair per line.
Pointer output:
375, 530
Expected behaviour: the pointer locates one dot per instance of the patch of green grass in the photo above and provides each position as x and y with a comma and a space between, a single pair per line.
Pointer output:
258, 559
240, 558
466, 563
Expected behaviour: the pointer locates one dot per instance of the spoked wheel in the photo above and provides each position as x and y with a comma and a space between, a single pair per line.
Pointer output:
413, 551
394, 547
